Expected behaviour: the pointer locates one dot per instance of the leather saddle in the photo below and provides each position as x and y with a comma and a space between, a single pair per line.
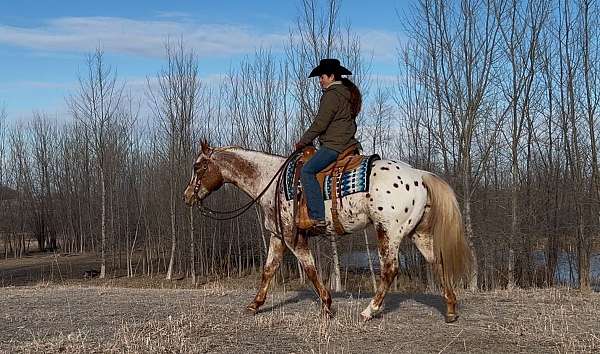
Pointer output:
347, 160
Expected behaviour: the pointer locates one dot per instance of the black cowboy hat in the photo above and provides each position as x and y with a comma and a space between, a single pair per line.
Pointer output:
329, 66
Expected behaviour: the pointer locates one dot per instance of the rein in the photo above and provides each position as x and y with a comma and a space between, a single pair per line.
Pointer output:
206, 211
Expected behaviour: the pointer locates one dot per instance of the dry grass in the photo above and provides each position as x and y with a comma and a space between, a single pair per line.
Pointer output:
143, 314
211, 319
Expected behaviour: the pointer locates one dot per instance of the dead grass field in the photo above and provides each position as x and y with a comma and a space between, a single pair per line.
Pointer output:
103, 316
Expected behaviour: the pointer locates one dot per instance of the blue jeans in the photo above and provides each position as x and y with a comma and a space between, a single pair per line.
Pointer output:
310, 185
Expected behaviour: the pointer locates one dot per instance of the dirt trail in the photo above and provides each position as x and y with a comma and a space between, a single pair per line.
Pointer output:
211, 319
45, 267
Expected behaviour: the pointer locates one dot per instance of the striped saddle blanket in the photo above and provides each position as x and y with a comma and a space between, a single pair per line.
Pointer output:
354, 179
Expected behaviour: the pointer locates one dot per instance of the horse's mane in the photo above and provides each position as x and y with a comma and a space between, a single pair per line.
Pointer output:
237, 147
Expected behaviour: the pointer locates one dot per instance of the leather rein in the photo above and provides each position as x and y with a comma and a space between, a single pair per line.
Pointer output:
232, 214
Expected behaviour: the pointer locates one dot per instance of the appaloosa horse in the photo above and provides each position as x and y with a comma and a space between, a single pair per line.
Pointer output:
401, 201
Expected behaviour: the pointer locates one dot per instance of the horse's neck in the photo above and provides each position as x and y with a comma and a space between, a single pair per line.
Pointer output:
249, 170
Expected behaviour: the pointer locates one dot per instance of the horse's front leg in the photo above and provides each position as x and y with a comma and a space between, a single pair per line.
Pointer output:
305, 256
274, 257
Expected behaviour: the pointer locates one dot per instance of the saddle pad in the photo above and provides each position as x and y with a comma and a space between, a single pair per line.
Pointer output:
352, 181
288, 181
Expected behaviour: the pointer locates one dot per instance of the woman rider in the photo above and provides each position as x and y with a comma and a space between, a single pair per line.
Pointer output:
334, 125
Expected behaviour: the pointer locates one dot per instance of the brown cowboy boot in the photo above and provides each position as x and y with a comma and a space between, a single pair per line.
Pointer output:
318, 228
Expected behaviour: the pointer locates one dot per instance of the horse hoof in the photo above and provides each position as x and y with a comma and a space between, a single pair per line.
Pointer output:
450, 318
326, 313
366, 315
251, 309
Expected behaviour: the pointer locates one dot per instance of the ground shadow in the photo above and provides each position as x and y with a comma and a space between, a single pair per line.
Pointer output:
392, 301
299, 296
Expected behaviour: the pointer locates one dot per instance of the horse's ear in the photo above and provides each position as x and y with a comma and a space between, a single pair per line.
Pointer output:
204, 147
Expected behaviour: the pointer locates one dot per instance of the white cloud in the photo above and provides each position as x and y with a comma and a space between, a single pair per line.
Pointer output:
384, 80
383, 45
173, 14
138, 37
32, 85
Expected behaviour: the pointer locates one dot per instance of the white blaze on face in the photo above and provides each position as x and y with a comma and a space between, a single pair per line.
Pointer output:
192, 183
189, 191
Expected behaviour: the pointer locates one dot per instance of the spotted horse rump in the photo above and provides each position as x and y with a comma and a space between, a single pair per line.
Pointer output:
398, 200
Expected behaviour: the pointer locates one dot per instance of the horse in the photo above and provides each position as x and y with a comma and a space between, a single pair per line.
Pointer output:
400, 201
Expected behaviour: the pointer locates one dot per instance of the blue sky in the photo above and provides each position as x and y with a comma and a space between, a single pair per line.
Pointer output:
43, 43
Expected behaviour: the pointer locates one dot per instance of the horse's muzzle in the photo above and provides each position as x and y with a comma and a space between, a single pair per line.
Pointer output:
189, 197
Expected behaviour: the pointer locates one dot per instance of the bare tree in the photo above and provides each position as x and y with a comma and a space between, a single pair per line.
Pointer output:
590, 50
44, 136
20, 167
378, 130
95, 106
3, 116
175, 104
520, 25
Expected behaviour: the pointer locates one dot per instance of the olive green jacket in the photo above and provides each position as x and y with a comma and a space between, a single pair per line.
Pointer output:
334, 125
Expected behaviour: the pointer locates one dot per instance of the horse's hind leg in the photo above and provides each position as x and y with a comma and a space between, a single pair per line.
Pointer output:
424, 243
274, 257
388, 257
451, 314
305, 256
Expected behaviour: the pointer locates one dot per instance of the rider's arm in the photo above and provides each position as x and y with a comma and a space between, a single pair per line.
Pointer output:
328, 107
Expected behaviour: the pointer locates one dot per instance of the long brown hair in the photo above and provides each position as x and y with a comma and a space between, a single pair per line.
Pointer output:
355, 95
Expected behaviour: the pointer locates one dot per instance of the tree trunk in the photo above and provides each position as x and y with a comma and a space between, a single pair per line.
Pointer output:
514, 223
583, 253
103, 223
370, 260
173, 228
473, 285
335, 280
192, 247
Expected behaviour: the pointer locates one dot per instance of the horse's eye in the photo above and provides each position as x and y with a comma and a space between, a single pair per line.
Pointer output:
200, 166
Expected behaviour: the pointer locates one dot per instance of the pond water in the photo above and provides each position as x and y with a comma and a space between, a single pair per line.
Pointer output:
566, 270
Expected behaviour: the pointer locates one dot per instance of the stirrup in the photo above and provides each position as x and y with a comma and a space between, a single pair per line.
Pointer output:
318, 228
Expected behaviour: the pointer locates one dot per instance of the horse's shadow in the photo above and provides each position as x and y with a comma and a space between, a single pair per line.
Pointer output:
391, 303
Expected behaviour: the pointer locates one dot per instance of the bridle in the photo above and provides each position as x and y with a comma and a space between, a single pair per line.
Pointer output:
231, 214
200, 175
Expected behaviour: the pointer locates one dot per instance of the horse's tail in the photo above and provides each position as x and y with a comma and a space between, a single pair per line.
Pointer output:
445, 223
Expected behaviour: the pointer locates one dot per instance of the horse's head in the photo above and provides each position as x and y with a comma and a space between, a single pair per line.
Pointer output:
206, 177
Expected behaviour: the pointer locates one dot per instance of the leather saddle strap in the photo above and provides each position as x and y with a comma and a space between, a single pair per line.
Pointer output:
295, 183
342, 170
339, 229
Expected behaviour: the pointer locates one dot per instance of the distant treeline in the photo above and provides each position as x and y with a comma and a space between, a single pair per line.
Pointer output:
499, 97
